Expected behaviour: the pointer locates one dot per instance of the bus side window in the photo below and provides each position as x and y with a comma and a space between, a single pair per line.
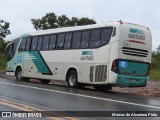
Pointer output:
45, 43
68, 39
52, 43
34, 43
23, 44
76, 40
106, 35
28, 44
60, 41
39, 46
95, 38
85, 39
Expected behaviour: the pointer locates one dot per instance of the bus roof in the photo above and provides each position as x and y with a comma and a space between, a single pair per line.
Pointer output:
74, 28
67, 29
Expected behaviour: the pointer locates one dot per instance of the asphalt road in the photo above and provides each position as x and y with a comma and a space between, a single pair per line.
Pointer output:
68, 103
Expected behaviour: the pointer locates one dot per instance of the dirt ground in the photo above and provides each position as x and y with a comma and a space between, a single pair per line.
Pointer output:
152, 88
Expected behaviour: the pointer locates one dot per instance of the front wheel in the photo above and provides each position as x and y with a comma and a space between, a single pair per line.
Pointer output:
72, 79
19, 74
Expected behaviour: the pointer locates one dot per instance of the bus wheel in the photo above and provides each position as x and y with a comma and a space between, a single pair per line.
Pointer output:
102, 88
72, 79
19, 74
45, 81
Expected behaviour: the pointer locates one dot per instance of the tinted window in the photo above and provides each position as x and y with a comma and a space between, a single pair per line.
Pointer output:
28, 43
23, 44
39, 46
95, 35
95, 38
45, 43
60, 41
106, 35
76, 40
12, 47
10, 51
85, 39
34, 43
68, 39
52, 44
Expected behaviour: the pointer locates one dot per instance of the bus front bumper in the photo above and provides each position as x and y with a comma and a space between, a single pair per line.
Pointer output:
130, 81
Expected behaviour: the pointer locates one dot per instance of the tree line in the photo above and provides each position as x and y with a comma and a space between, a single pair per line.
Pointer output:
51, 20
155, 64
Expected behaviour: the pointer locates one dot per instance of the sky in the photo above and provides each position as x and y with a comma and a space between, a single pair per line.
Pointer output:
20, 12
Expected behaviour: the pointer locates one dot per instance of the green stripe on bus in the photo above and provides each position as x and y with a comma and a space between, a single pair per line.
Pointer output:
40, 64
87, 52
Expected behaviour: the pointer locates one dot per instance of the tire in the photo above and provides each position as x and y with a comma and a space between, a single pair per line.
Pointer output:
45, 81
102, 88
72, 79
19, 74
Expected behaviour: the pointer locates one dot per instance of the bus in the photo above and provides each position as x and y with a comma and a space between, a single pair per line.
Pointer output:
101, 55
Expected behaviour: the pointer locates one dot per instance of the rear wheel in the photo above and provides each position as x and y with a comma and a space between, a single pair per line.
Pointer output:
45, 81
19, 74
102, 88
72, 79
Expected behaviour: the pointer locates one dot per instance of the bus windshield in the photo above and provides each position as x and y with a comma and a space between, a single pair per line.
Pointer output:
11, 48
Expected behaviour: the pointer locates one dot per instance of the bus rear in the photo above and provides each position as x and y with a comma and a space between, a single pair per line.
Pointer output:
134, 56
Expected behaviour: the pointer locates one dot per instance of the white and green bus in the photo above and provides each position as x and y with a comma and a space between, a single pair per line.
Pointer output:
102, 55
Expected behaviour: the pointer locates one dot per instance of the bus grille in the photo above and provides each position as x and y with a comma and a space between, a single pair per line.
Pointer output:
101, 73
135, 52
91, 73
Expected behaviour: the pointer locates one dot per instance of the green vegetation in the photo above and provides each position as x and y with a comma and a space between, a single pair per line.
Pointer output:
51, 20
4, 31
155, 74
155, 65
3, 61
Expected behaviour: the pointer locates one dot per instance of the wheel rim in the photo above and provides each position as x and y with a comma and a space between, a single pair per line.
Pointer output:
19, 75
72, 80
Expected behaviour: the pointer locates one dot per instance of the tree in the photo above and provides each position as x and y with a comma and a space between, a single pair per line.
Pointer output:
51, 20
85, 21
4, 31
158, 49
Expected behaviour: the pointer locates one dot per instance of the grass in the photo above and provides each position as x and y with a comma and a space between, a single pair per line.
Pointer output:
155, 74
3, 61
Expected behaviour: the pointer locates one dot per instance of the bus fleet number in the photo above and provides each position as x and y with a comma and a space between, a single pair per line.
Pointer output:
126, 44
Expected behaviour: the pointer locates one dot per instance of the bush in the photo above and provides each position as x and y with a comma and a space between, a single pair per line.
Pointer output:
3, 61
